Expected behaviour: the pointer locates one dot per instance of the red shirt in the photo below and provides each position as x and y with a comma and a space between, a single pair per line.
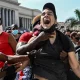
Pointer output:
25, 37
5, 46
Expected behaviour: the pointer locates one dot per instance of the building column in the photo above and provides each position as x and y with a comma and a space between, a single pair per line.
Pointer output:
23, 22
13, 17
17, 17
10, 18
27, 23
6, 17
3, 17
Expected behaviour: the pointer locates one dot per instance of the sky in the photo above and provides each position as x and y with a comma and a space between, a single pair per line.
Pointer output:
64, 8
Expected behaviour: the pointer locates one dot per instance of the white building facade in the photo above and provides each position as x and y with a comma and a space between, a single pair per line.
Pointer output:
12, 13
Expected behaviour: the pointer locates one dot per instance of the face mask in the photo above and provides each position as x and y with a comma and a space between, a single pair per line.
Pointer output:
14, 32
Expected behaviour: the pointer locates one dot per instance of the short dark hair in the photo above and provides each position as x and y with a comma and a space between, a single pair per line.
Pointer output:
14, 26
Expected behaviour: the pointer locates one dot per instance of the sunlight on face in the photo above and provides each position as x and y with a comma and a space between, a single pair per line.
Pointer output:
47, 19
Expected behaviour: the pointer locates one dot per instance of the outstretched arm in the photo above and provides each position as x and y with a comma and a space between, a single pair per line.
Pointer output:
13, 58
17, 58
32, 43
23, 48
74, 63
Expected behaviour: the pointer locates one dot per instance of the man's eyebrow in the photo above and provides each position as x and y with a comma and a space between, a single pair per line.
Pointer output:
47, 12
50, 12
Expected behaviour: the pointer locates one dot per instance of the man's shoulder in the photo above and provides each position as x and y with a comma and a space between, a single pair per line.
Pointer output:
66, 42
26, 34
64, 38
61, 35
5, 33
25, 37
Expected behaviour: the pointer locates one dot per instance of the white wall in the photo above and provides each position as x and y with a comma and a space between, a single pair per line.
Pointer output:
28, 12
36, 12
8, 5
13, 0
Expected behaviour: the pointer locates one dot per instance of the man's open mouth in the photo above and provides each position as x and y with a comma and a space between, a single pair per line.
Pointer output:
46, 21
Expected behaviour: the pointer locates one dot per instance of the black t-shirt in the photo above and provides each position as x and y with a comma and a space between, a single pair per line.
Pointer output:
48, 60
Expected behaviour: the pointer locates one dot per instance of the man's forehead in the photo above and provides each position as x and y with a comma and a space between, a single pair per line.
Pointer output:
47, 10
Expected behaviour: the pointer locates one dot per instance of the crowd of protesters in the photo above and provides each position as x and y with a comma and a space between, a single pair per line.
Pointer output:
19, 48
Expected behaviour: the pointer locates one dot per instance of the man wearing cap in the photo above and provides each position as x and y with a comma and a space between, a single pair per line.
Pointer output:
47, 63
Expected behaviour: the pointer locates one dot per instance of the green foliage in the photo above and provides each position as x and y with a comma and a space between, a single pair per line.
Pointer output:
77, 13
73, 21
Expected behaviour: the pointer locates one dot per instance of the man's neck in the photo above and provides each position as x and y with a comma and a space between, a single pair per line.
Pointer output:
52, 39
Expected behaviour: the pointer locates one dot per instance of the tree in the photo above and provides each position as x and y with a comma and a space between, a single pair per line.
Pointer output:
73, 21
77, 13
